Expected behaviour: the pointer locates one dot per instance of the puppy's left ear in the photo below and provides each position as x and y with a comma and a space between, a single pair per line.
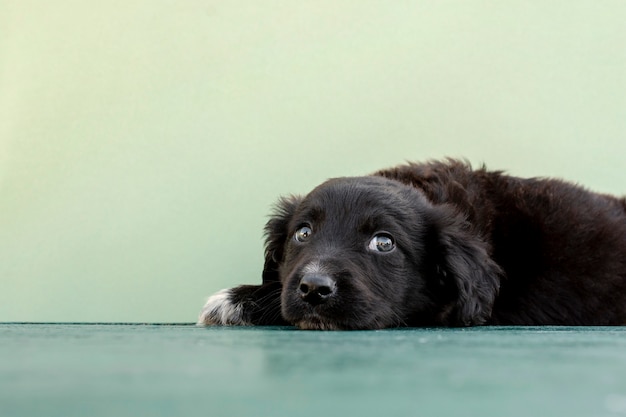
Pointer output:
464, 259
276, 235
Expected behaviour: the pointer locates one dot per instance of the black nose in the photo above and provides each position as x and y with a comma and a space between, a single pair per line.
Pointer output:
316, 288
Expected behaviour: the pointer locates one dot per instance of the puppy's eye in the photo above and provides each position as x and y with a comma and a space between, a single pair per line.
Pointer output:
382, 242
303, 234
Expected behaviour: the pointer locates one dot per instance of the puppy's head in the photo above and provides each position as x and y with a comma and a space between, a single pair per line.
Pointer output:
370, 253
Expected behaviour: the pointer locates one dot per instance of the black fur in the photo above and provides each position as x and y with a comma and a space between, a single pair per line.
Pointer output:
472, 247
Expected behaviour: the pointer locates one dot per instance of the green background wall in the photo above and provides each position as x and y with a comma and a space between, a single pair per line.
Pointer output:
142, 143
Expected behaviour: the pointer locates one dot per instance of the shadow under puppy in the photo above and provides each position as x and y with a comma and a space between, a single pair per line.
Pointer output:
437, 244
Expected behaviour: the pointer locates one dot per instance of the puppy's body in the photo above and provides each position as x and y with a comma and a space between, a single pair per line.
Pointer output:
437, 244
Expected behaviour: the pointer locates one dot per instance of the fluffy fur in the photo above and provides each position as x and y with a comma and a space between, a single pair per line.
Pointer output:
437, 244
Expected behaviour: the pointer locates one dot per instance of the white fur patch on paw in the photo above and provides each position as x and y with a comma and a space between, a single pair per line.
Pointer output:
219, 310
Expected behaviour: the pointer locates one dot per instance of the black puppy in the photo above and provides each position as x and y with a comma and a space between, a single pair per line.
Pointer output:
437, 244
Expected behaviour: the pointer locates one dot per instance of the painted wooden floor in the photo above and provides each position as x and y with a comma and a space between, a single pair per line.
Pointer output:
183, 370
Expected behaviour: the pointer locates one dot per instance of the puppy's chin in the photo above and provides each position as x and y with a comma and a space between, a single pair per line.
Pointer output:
313, 319
315, 323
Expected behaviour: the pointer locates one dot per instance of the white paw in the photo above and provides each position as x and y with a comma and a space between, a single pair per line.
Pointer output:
219, 310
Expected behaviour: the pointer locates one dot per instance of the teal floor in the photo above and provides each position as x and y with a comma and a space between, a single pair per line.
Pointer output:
147, 370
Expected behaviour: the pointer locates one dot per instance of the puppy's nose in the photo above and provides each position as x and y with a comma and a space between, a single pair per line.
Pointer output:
316, 288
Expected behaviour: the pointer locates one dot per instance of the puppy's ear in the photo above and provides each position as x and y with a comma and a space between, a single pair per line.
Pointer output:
276, 235
463, 258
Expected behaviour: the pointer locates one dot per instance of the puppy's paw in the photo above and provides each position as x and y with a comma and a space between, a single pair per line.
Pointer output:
221, 310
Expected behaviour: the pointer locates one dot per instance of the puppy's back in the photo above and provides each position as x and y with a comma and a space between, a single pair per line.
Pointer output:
562, 247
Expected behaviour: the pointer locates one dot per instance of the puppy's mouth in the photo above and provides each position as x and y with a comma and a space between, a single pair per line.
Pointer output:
316, 301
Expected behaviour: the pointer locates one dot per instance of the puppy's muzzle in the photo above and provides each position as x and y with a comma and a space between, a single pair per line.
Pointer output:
316, 288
